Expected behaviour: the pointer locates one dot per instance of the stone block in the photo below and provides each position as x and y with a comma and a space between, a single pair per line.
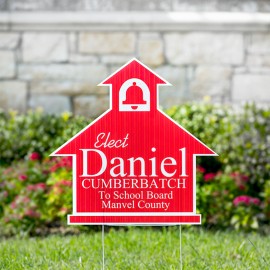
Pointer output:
150, 5
114, 67
149, 35
51, 104
66, 87
176, 93
70, 5
107, 5
194, 5
251, 87
57, 72
13, 95
259, 70
113, 59
263, 6
237, 6
240, 69
72, 42
259, 43
215, 5
7, 64
23, 5
150, 51
83, 58
204, 48
101, 43
91, 106
9, 40
213, 81
4, 5
255, 60
44, 47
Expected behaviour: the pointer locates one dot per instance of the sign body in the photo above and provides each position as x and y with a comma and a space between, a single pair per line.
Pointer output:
134, 165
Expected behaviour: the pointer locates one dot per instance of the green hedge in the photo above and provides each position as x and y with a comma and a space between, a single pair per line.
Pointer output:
232, 189
241, 137
21, 135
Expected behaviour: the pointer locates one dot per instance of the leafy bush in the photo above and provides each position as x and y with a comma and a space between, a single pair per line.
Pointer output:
35, 132
242, 170
232, 189
241, 138
266, 199
35, 193
223, 201
23, 189
59, 197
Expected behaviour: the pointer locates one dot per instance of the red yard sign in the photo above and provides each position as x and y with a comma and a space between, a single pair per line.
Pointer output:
133, 164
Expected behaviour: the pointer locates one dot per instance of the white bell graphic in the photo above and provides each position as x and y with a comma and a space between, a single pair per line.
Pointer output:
134, 95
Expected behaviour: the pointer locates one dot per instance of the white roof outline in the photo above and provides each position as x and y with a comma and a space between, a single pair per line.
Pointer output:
139, 62
106, 112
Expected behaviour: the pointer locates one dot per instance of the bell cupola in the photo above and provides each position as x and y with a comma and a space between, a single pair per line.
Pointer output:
134, 88
134, 95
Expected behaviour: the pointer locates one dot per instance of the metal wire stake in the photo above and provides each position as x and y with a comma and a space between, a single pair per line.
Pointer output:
103, 249
180, 246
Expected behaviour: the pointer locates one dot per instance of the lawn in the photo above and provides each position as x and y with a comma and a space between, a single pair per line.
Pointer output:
139, 248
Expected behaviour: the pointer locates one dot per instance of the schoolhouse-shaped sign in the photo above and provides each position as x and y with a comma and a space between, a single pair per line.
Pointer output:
133, 164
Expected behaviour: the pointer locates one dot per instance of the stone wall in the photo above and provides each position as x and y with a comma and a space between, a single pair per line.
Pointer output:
56, 60
138, 5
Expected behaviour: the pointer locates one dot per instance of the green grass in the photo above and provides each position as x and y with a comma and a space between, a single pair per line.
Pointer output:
139, 248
